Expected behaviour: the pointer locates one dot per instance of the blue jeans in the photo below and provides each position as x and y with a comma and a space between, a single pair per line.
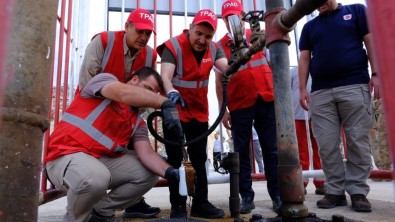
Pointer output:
262, 115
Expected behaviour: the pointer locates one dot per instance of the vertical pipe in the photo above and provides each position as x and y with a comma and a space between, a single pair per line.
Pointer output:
289, 168
5, 21
67, 56
122, 12
25, 108
60, 62
381, 19
171, 17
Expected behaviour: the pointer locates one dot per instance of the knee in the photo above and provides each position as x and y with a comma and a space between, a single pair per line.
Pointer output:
96, 184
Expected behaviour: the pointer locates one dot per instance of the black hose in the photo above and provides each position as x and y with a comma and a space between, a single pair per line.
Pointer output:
206, 134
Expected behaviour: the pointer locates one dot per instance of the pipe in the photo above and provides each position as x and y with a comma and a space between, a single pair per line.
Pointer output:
53, 194
380, 17
278, 23
5, 21
25, 108
234, 171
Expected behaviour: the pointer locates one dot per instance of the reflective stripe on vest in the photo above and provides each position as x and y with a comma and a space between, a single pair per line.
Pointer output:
108, 49
110, 44
177, 81
149, 57
86, 125
253, 64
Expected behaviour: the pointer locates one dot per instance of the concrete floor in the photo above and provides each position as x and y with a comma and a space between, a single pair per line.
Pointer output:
381, 196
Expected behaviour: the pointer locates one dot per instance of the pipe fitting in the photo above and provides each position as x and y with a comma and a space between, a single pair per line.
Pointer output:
275, 31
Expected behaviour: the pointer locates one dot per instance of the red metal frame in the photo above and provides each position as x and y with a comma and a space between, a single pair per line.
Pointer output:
377, 10
381, 21
59, 75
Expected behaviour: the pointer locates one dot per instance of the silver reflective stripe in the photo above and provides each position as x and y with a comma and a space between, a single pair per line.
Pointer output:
96, 112
86, 125
189, 84
139, 119
254, 63
119, 149
221, 48
177, 47
149, 57
213, 50
108, 49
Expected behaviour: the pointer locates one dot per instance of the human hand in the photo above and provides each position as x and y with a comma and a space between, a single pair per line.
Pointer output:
171, 120
172, 176
175, 97
304, 99
374, 86
226, 120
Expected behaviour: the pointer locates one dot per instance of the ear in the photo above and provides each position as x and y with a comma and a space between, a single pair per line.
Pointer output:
134, 80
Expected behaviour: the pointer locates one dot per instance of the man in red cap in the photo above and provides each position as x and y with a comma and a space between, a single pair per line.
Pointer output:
250, 102
187, 60
88, 150
121, 53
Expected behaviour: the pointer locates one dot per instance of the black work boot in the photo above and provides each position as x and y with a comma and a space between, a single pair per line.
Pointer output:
320, 189
141, 210
179, 209
179, 212
247, 204
360, 204
205, 209
96, 217
277, 204
331, 201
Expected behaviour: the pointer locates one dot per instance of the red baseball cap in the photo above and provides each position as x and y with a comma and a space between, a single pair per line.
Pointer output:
231, 7
142, 19
206, 15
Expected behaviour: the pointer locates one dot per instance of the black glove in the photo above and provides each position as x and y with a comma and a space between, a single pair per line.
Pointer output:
172, 176
175, 97
171, 120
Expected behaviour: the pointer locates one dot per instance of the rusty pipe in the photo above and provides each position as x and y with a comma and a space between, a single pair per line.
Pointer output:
279, 22
25, 108
5, 22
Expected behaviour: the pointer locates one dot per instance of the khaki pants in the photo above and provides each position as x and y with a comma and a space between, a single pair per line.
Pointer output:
87, 180
347, 106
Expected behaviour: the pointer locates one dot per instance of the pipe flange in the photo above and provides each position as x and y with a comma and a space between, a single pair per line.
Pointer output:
236, 29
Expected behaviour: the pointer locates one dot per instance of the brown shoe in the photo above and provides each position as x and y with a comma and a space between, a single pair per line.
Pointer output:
360, 203
320, 190
331, 201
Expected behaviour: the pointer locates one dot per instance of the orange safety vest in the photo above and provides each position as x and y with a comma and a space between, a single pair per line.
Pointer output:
252, 79
190, 79
113, 58
96, 126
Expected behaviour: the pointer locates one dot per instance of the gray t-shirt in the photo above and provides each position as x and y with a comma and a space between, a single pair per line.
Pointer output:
92, 90
299, 112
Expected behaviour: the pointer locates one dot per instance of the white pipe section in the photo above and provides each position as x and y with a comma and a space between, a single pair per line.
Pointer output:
122, 12
218, 179
186, 15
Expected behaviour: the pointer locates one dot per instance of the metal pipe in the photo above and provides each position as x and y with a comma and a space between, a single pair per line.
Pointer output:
380, 18
234, 171
278, 23
25, 108
5, 22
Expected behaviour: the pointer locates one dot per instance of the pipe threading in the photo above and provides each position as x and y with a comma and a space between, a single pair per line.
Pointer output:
25, 117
